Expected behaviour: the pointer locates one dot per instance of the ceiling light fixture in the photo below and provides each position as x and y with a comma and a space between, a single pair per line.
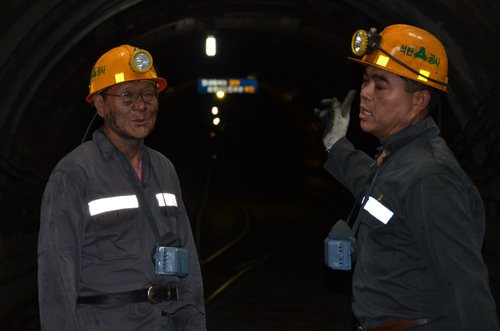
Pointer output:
211, 45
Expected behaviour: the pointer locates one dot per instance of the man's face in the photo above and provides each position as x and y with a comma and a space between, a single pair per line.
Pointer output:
127, 121
385, 106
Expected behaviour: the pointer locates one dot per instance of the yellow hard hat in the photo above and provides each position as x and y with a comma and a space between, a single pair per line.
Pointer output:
122, 64
406, 51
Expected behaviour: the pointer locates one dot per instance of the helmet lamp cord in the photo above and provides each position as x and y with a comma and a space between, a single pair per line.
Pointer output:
408, 67
88, 127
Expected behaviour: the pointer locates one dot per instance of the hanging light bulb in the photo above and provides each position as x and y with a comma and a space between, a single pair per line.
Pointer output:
210, 45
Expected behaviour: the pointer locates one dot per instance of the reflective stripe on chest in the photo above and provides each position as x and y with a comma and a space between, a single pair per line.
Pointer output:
378, 210
103, 205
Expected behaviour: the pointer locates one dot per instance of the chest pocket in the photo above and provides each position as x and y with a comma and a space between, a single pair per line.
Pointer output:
168, 219
118, 234
169, 212
376, 253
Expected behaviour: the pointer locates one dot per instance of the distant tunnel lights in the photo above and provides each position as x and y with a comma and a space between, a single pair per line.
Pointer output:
215, 110
216, 121
210, 46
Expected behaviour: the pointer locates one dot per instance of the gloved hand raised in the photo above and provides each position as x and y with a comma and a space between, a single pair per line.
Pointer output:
336, 118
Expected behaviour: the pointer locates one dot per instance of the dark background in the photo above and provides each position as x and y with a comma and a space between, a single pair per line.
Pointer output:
264, 166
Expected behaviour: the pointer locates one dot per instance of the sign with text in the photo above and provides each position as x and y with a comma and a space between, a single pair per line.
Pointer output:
228, 85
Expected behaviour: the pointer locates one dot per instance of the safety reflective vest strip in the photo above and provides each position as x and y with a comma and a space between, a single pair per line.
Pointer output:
378, 210
166, 199
103, 205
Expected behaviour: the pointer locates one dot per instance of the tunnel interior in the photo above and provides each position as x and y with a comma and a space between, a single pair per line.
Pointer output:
268, 143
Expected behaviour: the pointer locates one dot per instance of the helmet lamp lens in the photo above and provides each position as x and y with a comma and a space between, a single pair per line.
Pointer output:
359, 41
141, 61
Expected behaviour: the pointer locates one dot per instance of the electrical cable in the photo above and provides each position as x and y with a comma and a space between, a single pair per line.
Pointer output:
252, 264
228, 245
408, 67
88, 127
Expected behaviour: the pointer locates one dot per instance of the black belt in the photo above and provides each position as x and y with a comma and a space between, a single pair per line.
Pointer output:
154, 294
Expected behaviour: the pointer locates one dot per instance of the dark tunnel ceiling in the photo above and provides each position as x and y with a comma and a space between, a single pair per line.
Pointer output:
297, 50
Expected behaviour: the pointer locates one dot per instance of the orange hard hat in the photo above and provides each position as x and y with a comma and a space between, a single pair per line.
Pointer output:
406, 51
122, 64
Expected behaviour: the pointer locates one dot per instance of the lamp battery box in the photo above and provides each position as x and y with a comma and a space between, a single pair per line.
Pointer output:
338, 254
171, 261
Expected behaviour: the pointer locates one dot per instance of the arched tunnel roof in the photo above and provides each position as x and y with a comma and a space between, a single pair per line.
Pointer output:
297, 49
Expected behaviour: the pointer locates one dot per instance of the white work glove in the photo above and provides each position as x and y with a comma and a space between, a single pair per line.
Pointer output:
336, 117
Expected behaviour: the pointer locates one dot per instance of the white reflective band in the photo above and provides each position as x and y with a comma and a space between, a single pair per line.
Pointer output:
115, 203
167, 198
378, 210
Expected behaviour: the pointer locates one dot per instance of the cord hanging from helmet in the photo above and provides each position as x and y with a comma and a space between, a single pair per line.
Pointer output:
88, 127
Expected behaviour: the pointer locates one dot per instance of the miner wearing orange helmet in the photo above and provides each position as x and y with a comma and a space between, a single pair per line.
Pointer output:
116, 250
416, 235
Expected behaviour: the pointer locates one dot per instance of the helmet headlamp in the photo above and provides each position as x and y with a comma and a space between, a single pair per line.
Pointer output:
123, 64
404, 50
140, 60
365, 42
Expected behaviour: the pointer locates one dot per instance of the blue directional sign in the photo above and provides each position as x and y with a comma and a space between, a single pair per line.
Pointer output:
228, 85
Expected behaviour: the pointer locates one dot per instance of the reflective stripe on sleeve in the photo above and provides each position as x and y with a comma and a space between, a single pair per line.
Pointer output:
166, 198
100, 206
378, 210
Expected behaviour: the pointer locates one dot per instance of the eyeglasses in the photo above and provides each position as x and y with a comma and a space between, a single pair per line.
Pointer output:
131, 97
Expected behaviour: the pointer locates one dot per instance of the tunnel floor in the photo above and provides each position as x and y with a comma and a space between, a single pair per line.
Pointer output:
260, 244
273, 275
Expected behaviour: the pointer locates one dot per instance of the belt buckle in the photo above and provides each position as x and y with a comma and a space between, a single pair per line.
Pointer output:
151, 292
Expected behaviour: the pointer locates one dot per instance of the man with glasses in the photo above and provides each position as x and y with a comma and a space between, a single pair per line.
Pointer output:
116, 250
